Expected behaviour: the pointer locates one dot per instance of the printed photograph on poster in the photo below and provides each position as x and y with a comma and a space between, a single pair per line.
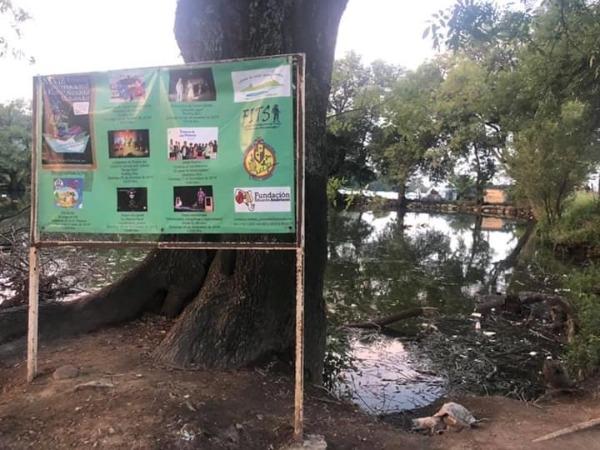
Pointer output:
193, 199
128, 143
68, 193
66, 123
192, 143
132, 199
127, 87
250, 85
192, 85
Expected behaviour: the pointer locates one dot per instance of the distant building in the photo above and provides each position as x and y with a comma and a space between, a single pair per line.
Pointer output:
496, 195
433, 196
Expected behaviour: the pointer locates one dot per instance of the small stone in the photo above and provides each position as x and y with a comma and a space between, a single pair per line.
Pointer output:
65, 372
190, 406
231, 434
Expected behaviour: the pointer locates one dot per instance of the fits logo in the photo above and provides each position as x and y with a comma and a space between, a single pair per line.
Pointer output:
264, 116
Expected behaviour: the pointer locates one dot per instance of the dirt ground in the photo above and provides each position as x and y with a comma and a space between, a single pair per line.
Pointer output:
135, 404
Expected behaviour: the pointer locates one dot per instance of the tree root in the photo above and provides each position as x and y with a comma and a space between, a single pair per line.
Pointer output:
569, 430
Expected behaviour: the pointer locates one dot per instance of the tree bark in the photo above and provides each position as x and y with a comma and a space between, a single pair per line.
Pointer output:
245, 309
401, 189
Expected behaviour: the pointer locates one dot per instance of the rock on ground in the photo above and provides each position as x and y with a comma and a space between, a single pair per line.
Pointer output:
312, 442
65, 372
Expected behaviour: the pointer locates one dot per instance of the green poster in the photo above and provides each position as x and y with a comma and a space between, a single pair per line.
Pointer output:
206, 148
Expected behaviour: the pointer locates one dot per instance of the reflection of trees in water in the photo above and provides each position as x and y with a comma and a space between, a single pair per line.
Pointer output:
460, 222
347, 232
479, 257
398, 270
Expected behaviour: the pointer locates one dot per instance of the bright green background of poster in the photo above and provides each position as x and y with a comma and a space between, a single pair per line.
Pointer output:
157, 114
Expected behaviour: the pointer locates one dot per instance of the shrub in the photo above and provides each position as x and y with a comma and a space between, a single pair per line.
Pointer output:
583, 354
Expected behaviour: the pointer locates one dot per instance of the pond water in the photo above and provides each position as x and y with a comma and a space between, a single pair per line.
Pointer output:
384, 263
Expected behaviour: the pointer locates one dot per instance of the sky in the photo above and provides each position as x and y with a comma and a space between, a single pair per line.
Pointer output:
68, 36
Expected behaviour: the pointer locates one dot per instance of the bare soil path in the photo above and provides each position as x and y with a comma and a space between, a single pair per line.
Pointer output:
134, 404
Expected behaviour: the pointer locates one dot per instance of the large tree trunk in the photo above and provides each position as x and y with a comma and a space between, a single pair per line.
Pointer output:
245, 309
401, 189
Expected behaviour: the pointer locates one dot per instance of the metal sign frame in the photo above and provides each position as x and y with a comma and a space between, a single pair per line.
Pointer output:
298, 245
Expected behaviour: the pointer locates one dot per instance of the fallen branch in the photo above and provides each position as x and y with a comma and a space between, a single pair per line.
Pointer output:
384, 321
572, 429
522, 298
96, 384
528, 298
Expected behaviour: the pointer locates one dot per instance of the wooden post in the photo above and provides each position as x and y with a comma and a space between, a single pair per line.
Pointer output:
300, 242
299, 384
34, 273
32, 330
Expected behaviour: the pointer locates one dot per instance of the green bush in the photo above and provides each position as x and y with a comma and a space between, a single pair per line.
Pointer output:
583, 353
579, 224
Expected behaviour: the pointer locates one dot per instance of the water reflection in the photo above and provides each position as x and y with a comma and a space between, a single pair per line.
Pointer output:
385, 377
384, 263
379, 264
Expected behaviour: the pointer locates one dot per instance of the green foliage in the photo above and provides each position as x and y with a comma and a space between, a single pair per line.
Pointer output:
406, 139
480, 29
355, 102
463, 184
531, 78
583, 354
15, 145
579, 226
467, 110
553, 155
334, 184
